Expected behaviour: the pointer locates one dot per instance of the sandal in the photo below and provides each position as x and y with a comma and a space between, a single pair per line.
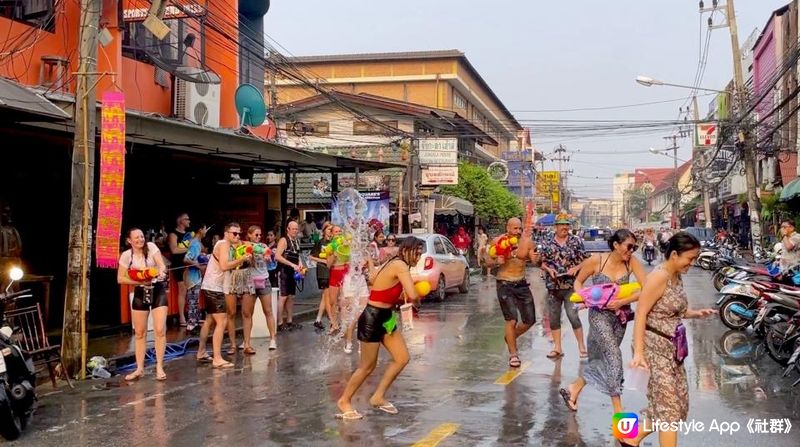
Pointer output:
249, 351
584, 355
204, 359
136, 375
349, 415
161, 377
231, 350
223, 365
387, 408
555, 354
514, 361
573, 406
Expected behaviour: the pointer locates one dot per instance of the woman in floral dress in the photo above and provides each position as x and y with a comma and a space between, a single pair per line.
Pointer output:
662, 305
607, 326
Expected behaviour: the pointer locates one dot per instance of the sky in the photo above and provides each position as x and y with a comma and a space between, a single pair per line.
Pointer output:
539, 56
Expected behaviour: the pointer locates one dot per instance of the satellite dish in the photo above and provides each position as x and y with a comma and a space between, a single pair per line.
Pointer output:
250, 106
498, 171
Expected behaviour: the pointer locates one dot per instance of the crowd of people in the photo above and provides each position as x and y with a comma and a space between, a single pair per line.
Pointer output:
228, 280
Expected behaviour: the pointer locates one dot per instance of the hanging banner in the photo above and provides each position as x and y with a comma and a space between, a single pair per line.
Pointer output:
112, 179
377, 209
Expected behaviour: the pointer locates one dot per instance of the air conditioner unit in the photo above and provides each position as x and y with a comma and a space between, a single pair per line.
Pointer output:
197, 102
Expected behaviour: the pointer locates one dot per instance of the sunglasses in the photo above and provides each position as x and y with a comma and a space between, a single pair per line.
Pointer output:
235, 233
631, 247
391, 240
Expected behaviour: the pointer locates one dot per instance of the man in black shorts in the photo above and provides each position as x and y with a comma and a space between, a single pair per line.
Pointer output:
513, 290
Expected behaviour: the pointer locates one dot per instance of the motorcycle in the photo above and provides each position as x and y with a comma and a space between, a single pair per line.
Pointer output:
649, 252
17, 374
781, 339
738, 304
794, 362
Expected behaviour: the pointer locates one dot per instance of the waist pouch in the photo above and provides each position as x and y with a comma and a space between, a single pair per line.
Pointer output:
678, 340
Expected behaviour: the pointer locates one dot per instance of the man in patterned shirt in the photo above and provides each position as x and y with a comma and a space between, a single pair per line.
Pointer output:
562, 255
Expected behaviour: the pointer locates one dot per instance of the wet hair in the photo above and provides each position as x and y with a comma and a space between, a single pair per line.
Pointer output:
620, 235
681, 242
252, 229
232, 225
128, 236
407, 251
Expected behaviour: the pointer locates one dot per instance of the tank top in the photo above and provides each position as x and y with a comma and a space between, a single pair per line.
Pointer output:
292, 254
177, 260
214, 278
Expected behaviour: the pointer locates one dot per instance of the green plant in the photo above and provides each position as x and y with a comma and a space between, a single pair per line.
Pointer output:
489, 197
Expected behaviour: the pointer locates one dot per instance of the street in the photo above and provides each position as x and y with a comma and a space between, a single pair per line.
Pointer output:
456, 386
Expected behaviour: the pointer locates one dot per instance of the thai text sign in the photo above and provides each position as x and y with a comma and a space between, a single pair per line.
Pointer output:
438, 151
440, 175
112, 178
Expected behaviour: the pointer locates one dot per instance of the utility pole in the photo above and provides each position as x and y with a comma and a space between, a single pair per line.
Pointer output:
748, 148
702, 172
562, 184
676, 195
73, 344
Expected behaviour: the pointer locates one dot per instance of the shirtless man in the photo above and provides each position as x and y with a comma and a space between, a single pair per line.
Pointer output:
513, 290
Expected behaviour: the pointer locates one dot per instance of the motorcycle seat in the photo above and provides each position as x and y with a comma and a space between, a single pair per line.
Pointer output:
790, 290
755, 269
764, 286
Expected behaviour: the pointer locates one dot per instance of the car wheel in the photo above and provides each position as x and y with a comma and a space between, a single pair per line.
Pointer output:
441, 289
464, 286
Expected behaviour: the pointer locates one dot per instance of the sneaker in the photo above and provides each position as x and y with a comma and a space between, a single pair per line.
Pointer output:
319, 325
273, 345
348, 348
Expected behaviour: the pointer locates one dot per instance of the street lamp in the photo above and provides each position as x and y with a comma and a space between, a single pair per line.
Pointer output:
649, 82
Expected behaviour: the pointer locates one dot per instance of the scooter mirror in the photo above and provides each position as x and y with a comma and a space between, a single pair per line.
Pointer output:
15, 273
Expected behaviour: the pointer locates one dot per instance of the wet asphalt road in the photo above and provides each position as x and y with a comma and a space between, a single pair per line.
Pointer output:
457, 354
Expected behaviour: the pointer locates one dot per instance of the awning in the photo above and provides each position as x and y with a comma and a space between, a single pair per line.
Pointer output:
449, 205
547, 220
20, 104
791, 191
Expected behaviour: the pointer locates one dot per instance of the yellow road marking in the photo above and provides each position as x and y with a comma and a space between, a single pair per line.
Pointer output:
437, 435
511, 374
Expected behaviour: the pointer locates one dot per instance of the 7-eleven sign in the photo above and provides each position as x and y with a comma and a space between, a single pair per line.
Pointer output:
706, 134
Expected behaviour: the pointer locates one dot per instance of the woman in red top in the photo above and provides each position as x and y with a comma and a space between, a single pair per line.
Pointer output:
377, 325
462, 241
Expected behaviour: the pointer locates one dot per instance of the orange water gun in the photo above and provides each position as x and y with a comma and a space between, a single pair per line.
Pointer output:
143, 274
504, 246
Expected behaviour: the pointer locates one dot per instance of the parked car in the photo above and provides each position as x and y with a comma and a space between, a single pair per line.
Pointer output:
441, 265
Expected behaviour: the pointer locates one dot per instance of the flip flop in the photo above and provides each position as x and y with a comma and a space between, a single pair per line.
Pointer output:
568, 399
514, 361
555, 354
584, 355
386, 408
349, 415
161, 377
223, 365
231, 351
204, 359
249, 351
134, 376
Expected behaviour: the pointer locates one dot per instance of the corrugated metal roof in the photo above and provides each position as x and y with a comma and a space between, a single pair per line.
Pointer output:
19, 98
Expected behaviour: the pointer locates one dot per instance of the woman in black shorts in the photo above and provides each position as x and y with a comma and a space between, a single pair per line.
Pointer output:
149, 294
378, 325
323, 274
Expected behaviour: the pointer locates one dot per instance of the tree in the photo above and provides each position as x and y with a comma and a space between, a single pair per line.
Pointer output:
637, 200
490, 198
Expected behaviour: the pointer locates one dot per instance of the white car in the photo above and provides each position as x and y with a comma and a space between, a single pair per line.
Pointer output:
441, 265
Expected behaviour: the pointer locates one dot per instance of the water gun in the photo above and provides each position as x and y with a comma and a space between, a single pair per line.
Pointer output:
600, 295
339, 245
298, 276
504, 246
143, 274
260, 249
242, 251
187, 240
202, 259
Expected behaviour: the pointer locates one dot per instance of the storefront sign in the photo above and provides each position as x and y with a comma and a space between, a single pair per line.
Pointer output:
440, 175
170, 12
438, 151
365, 182
706, 134
112, 179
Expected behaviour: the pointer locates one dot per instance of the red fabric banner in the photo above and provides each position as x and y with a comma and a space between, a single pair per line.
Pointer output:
112, 179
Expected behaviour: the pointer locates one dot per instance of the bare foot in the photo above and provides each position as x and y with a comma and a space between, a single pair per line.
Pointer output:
344, 406
575, 391
136, 375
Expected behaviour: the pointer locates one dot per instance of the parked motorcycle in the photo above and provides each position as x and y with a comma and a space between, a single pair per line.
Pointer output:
738, 304
780, 339
17, 374
649, 252
794, 362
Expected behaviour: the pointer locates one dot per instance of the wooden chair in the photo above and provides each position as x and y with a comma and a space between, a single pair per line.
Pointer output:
32, 338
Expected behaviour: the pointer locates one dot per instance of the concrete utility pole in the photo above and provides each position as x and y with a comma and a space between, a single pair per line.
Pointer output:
73, 344
702, 173
676, 194
748, 155
562, 183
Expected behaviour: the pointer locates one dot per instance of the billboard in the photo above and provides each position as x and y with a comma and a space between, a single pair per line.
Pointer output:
547, 188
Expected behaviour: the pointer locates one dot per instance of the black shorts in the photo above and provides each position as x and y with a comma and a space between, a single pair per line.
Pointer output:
323, 277
370, 323
215, 302
145, 298
287, 283
516, 296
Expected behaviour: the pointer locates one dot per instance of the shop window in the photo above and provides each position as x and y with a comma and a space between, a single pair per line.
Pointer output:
368, 128
38, 13
185, 42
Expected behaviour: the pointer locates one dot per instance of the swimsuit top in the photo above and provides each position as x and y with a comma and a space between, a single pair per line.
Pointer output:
388, 296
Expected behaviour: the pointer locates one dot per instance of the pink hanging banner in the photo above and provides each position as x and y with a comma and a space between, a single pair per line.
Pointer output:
112, 179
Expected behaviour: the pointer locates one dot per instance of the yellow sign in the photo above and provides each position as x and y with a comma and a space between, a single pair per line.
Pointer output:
547, 186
